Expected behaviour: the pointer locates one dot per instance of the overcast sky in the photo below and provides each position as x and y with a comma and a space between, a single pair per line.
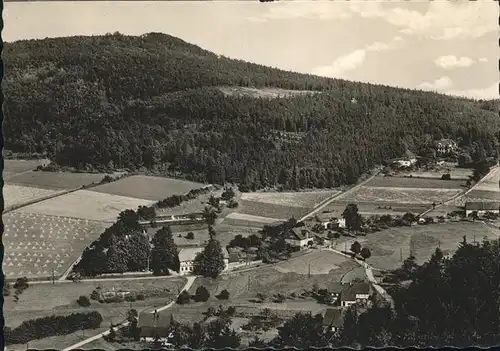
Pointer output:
445, 46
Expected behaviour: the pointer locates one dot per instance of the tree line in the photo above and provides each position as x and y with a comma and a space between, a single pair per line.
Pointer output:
153, 103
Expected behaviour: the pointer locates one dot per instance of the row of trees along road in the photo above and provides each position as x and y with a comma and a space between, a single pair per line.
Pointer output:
124, 248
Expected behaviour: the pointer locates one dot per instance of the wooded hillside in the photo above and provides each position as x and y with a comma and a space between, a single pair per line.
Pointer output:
154, 102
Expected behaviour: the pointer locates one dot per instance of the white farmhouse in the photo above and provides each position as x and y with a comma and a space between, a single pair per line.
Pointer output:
353, 293
187, 256
334, 223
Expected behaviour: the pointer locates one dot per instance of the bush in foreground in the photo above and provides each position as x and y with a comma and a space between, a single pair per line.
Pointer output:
40, 328
83, 301
223, 295
183, 298
202, 294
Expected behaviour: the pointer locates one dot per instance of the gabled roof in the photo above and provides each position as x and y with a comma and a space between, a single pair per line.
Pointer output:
189, 253
334, 287
349, 291
299, 233
333, 318
445, 142
482, 206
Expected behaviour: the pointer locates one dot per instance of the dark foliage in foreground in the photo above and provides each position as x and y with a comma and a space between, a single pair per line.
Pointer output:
40, 328
154, 102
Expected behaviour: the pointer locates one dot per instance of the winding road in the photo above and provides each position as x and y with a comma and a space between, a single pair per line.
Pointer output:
189, 283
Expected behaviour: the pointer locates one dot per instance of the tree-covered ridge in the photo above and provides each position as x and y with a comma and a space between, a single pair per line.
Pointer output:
154, 102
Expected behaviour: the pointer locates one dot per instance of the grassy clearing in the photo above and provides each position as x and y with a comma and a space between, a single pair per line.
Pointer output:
307, 199
386, 246
41, 300
251, 218
400, 195
272, 211
15, 195
86, 205
37, 244
20, 166
371, 208
320, 262
263, 92
455, 173
147, 187
56, 180
400, 182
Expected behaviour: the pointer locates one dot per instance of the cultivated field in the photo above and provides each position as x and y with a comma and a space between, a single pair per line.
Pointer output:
146, 187
55, 180
387, 246
401, 182
41, 300
307, 199
16, 195
336, 208
280, 212
401, 195
478, 195
37, 244
244, 218
86, 204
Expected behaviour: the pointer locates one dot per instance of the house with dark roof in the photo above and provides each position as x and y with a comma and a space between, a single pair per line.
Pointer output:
154, 325
355, 292
333, 319
334, 289
481, 207
299, 237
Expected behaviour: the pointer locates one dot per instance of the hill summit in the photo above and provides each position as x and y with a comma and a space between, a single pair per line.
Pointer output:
156, 102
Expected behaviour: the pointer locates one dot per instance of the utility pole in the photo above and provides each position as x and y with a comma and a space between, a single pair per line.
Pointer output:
309, 271
401, 253
248, 283
53, 277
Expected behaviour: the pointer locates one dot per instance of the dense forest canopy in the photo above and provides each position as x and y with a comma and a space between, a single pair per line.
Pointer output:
154, 102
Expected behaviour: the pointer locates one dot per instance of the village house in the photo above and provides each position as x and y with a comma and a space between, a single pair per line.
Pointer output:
187, 256
481, 208
333, 319
354, 292
445, 146
154, 325
299, 237
334, 289
334, 223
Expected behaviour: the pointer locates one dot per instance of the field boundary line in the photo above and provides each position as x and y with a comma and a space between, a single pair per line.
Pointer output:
459, 196
329, 200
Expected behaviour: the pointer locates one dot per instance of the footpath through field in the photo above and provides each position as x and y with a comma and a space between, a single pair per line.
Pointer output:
481, 181
326, 202
189, 283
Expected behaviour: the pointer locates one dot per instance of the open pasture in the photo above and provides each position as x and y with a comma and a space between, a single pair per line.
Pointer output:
41, 300
256, 220
319, 262
400, 195
147, 187
372, 208
56, 180
455, 173
280, 212
414, 183
388, 246
20, 166
38, 245
86, 204
306, 199
17, 195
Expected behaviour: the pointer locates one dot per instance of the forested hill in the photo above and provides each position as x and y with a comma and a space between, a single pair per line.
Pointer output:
157, 102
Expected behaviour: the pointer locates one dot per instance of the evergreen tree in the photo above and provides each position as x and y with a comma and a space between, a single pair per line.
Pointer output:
210, 262
352, 217
164, 255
